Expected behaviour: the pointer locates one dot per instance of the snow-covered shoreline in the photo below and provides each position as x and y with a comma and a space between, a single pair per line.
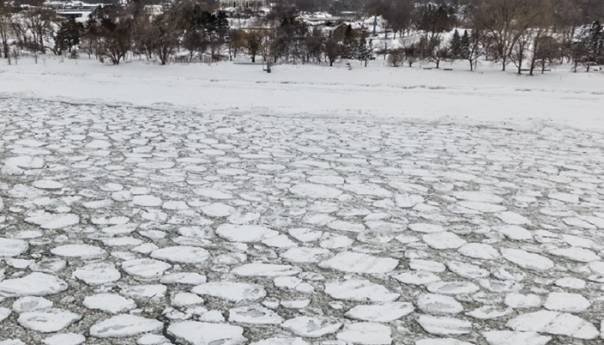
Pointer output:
488, 97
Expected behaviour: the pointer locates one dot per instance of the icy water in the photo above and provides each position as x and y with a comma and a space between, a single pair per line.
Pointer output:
124, 225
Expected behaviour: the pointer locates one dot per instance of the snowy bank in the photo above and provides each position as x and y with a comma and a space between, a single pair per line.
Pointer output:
487, 97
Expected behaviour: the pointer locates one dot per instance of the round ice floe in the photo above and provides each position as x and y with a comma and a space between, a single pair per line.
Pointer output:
416, 277
305, 234
340, 225
152, 339
203, 333
280, 341
98, 144
326, 179
53, 221
479, 251
183, 299
513, 218
187, 278
25, 162
443, 240
147, 201
109, 302
489, 312
426, 228
367, 189
124, 325
145, 292
231, 291
245, 233
366, 333
360, 263
305, 254
527, 260
82, 251
443, 341
571, 283
47, 320
514, 232
145, 268
383, 312
551, 322
576, 254
441, 325
408, 200
438, 304
10, 247
254, 314
33, 284
65, 339
265, 270
568, 302
467, 270
452, 287
427, 265
4, 313
97, 273
516, 300
30, 303
478, 197
315, 191
48, 184
311, 327
182, 254
217, 210
565, 197
482, 206
515, 338
211, 193
359, 290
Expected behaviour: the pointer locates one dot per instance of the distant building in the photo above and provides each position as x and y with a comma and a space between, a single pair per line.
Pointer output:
243, 4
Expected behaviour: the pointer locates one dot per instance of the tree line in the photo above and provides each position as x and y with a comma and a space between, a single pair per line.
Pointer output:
530, 35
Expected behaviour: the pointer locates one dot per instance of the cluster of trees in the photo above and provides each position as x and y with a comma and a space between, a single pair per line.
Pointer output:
530, 35
527, 34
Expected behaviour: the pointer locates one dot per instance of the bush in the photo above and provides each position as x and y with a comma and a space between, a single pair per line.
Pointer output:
396, 57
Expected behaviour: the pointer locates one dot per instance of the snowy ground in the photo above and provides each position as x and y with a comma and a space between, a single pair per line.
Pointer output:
123, 224
459, 96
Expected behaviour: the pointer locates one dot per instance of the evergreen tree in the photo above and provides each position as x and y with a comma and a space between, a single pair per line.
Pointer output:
68, 36
363, 51
596, 42
456, 45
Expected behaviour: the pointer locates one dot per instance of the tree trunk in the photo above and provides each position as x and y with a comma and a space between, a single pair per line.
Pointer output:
374, 25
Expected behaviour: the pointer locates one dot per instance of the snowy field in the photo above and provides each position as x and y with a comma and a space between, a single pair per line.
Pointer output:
333, 218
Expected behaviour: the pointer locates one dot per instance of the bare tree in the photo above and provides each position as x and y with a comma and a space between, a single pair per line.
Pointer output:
253, 43
165, 36
332, 49
39, 22
505, 23
5, 28
111, 28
